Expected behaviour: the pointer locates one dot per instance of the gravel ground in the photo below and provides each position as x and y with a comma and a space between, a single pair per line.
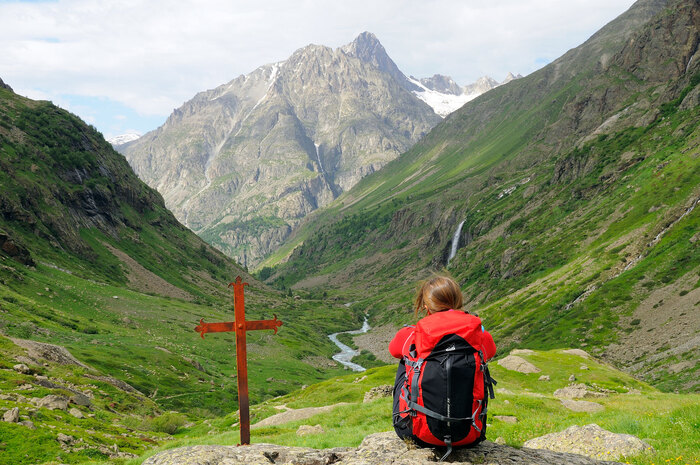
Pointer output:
377, 341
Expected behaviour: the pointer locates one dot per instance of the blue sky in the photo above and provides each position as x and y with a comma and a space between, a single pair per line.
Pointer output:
124, 65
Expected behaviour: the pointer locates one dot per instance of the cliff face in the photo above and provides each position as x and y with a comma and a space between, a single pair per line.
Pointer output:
242, 164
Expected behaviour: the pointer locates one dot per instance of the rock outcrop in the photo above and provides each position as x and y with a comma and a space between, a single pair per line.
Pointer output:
376, 449
591, 441
378, 392
39, 352
5, 86
519, 364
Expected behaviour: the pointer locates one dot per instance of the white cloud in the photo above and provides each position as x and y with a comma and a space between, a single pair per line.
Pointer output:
152, 55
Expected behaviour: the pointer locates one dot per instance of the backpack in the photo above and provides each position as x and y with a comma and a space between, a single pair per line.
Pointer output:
442, 387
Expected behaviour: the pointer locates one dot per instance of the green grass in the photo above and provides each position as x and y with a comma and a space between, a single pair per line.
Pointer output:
668, 422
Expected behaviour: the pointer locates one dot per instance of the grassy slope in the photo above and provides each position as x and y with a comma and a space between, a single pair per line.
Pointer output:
66, 196
668, 422
580, 210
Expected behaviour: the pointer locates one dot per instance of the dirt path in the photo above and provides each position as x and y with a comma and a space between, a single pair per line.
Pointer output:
294, 414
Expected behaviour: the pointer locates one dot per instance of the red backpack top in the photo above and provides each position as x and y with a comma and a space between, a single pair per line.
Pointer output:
440, 393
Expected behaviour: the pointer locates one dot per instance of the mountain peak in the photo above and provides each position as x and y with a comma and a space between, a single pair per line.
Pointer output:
511, 77
367, 39
367, 48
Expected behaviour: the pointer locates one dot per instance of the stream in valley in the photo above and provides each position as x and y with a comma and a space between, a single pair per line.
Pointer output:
347, 353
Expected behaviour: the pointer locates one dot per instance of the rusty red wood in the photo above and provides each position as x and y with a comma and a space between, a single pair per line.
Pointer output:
240, 326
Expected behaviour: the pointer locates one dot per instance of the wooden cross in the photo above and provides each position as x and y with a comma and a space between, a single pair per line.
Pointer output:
240, 326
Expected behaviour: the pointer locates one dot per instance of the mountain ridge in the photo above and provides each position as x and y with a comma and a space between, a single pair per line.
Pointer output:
288, 137
530, 168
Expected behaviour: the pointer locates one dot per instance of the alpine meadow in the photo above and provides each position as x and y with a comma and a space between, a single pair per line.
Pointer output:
564, 203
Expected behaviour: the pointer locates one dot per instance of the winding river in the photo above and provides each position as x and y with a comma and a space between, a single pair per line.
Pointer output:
347, 353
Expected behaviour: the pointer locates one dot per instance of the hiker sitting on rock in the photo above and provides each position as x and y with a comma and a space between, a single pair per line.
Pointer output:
442, 384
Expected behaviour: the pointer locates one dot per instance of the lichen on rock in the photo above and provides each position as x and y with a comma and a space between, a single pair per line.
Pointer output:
376, 449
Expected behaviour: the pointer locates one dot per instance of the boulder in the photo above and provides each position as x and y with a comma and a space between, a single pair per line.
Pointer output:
543, 378
576, 391
40, 351
376, 449
582, 405
591, 441
12, 415
76, 413
305, 430
522, 352
53, 402
28, 423
64, 438
377, 392
579, 352
22, 368
519, 364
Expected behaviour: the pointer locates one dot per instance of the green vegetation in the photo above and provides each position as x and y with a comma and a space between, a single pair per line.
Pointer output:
570, 224
93, 261
668, 422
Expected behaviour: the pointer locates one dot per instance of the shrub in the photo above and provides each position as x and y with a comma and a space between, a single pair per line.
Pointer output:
168, 423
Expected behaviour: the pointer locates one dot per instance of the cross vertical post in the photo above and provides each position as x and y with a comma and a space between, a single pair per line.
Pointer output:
241, 359
240, 326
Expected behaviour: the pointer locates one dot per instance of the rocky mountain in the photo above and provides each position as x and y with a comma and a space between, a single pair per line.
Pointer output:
244, 163
570, 197
445, 96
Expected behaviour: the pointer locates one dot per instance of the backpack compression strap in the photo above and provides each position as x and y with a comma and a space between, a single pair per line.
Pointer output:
489, 382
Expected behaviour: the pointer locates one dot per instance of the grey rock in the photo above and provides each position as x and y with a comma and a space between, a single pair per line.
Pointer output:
39, 351
76, 413
543, 378
378, 392
577, 391
572, 378
12, 415
306, 430
22, 368
519, 364
522, 352
126, 387
591, 441
53, 402
28, 423
64, 438
376, 449
582, 405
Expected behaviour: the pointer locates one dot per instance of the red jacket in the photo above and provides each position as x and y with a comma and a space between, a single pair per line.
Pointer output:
399, 346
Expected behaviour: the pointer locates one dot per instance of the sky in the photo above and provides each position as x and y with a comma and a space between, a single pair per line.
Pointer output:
124, 65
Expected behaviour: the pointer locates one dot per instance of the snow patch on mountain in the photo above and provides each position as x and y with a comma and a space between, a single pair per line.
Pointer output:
123, 139
444, 96
442, 104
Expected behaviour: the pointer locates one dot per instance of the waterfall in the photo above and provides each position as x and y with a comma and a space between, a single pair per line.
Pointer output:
318, 157
455, 242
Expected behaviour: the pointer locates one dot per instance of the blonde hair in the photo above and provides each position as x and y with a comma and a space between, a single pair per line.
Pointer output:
438, 294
